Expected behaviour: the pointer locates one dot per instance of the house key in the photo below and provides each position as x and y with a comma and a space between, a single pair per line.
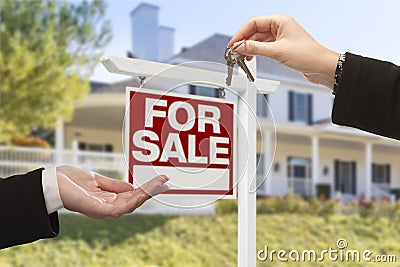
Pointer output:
232, 57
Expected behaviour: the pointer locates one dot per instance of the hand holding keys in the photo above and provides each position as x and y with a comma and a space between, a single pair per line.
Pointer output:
232, 57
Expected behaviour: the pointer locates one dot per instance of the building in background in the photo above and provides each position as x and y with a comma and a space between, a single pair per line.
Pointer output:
312, 155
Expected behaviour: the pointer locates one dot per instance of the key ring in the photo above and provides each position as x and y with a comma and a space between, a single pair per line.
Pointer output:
222, 92
142, 78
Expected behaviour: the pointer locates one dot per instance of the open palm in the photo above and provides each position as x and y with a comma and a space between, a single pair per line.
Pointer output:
98, 196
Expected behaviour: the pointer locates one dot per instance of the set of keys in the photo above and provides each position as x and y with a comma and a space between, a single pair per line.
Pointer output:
232, 57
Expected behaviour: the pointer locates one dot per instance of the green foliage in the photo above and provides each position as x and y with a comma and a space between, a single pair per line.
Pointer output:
292, 203
295, 204
48, 51
226, 206
199, 241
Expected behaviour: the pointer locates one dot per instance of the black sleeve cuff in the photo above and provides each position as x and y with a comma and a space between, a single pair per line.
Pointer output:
25, 217
368, 96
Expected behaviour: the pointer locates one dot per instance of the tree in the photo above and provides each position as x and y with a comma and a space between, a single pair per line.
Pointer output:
48, 50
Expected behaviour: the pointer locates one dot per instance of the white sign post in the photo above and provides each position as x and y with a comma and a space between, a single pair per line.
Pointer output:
247, 168
246, 160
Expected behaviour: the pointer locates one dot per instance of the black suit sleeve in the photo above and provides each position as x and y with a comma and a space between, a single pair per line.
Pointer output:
368, 96
23, 210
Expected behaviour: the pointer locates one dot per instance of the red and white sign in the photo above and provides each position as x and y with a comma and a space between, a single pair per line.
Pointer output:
190, 139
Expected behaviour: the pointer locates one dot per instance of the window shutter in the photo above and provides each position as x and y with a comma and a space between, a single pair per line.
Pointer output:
388, 178
373, 173
289, 167
266, 104
310, 109
215, 92
337, 181
291, 106
354, 177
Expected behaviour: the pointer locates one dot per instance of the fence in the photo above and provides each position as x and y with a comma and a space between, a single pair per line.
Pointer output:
22, 159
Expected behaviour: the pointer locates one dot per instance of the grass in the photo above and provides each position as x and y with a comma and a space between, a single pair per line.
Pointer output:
159, 240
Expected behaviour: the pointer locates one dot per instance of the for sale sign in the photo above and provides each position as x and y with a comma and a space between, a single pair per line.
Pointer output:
191, 139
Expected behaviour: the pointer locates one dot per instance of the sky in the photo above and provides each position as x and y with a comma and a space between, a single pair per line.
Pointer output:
366, 27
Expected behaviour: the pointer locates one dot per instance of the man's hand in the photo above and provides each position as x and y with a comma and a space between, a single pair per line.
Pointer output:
97, 196
283, 39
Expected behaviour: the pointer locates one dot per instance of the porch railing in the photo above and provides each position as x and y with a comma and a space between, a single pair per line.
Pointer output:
22, 159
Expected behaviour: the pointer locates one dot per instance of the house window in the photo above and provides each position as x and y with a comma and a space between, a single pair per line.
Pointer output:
299, 167
203, 91
345, 176
262, 105
381, 173
95, 147
300, 107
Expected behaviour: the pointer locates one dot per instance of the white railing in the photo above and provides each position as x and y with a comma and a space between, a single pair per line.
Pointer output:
22, 159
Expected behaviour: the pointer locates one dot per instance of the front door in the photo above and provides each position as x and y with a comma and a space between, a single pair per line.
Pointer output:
345, 177
299, 175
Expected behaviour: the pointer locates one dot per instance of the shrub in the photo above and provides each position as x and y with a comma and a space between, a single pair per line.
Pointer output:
268, 205
296, 204
322, 207
226, 206
29, 141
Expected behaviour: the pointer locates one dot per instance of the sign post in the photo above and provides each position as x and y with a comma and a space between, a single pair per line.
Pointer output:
247, 170
246, 160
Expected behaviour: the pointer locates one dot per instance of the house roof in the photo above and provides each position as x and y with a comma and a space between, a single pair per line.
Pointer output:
212, 49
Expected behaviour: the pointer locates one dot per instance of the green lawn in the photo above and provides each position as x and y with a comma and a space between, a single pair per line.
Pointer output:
138, 240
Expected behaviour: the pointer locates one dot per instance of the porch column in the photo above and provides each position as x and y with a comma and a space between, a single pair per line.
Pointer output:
59, 142
368, 172
267, 153
314, 164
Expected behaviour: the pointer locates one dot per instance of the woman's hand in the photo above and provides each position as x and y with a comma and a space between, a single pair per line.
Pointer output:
283, 39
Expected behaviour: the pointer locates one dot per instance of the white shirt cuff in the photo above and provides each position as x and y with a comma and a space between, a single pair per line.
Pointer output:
50, 190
